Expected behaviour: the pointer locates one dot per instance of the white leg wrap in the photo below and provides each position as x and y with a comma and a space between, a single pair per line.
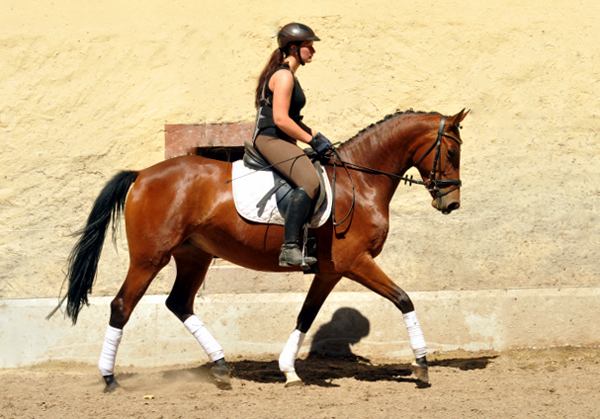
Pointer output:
415, 335
288, 356
109, 351
206, 340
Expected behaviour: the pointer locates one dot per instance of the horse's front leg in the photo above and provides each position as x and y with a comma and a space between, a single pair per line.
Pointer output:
319, 290
366, 272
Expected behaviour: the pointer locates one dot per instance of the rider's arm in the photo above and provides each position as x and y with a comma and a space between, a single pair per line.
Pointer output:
282, 85
308, 129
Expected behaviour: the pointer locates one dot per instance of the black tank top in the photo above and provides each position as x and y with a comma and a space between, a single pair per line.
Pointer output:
267, 126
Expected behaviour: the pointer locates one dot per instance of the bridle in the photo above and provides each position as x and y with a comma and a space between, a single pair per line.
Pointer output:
433, 185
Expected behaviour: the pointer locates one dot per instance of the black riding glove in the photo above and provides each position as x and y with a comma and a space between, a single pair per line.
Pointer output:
320, 144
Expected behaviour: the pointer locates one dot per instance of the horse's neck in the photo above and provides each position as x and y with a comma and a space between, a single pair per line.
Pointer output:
387, 148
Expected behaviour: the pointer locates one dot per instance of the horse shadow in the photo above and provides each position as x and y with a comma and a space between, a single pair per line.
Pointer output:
331, 357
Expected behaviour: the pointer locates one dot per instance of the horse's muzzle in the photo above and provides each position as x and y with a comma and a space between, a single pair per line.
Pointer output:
446, 204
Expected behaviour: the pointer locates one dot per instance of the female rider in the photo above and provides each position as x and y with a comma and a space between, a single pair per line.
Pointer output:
279, 100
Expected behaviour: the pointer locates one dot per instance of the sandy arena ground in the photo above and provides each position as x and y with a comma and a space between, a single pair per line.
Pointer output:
557, 383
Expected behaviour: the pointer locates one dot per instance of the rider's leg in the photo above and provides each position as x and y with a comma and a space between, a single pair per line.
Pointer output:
291, 162
297, 212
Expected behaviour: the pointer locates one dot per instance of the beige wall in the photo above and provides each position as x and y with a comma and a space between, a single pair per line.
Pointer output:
87, 87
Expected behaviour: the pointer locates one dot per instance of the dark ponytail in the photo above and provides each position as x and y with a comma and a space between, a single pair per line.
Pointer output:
276, 60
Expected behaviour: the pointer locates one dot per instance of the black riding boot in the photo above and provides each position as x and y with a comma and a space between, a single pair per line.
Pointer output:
297, 213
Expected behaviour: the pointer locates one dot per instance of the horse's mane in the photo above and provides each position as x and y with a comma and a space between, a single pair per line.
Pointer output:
388, 117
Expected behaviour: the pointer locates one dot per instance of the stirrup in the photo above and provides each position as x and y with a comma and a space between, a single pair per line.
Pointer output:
291, 255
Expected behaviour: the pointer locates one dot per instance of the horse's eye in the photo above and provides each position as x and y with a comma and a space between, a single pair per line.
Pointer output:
451, 153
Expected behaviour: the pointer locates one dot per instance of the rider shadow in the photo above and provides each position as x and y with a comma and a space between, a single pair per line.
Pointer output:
335, 339
331, 358
331, 355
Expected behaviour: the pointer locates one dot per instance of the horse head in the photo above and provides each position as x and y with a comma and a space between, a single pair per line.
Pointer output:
439, 163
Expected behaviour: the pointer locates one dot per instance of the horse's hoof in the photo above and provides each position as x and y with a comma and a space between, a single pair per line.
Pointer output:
421, 371
222, 382
111, 384
292, 379
220, 373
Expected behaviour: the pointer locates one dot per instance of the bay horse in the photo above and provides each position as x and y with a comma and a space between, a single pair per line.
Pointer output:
183, 208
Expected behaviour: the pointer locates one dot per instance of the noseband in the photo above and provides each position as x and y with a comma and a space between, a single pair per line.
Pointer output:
434, 185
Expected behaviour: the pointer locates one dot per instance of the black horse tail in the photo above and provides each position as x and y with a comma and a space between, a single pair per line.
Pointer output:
83, 260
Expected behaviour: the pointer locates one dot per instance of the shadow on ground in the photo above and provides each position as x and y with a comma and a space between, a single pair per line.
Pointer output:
321, 370
317, 370
331, 358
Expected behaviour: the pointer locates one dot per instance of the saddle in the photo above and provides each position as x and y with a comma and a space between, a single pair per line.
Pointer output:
282, 189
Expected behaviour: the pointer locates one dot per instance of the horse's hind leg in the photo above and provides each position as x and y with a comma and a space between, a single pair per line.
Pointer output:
319, 290
136, 283
192, 265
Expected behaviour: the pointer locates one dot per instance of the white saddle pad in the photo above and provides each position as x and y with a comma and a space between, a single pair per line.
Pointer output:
250, 186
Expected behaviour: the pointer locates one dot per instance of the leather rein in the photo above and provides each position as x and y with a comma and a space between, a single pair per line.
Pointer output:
433, 184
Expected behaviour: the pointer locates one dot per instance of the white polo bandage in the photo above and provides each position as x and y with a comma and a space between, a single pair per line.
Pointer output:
206, 340
109, 351
415, 335
288, 356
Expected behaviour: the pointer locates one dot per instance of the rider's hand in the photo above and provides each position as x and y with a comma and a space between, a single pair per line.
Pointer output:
320, 144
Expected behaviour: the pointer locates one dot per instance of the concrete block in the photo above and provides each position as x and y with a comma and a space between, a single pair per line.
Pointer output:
251, 325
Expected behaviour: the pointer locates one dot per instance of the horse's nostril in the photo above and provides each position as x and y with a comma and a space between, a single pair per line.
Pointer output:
453, 206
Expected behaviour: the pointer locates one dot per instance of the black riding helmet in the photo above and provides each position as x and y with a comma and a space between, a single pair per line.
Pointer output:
294, 34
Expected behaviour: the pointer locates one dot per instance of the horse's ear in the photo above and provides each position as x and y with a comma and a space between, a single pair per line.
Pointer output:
457, 119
